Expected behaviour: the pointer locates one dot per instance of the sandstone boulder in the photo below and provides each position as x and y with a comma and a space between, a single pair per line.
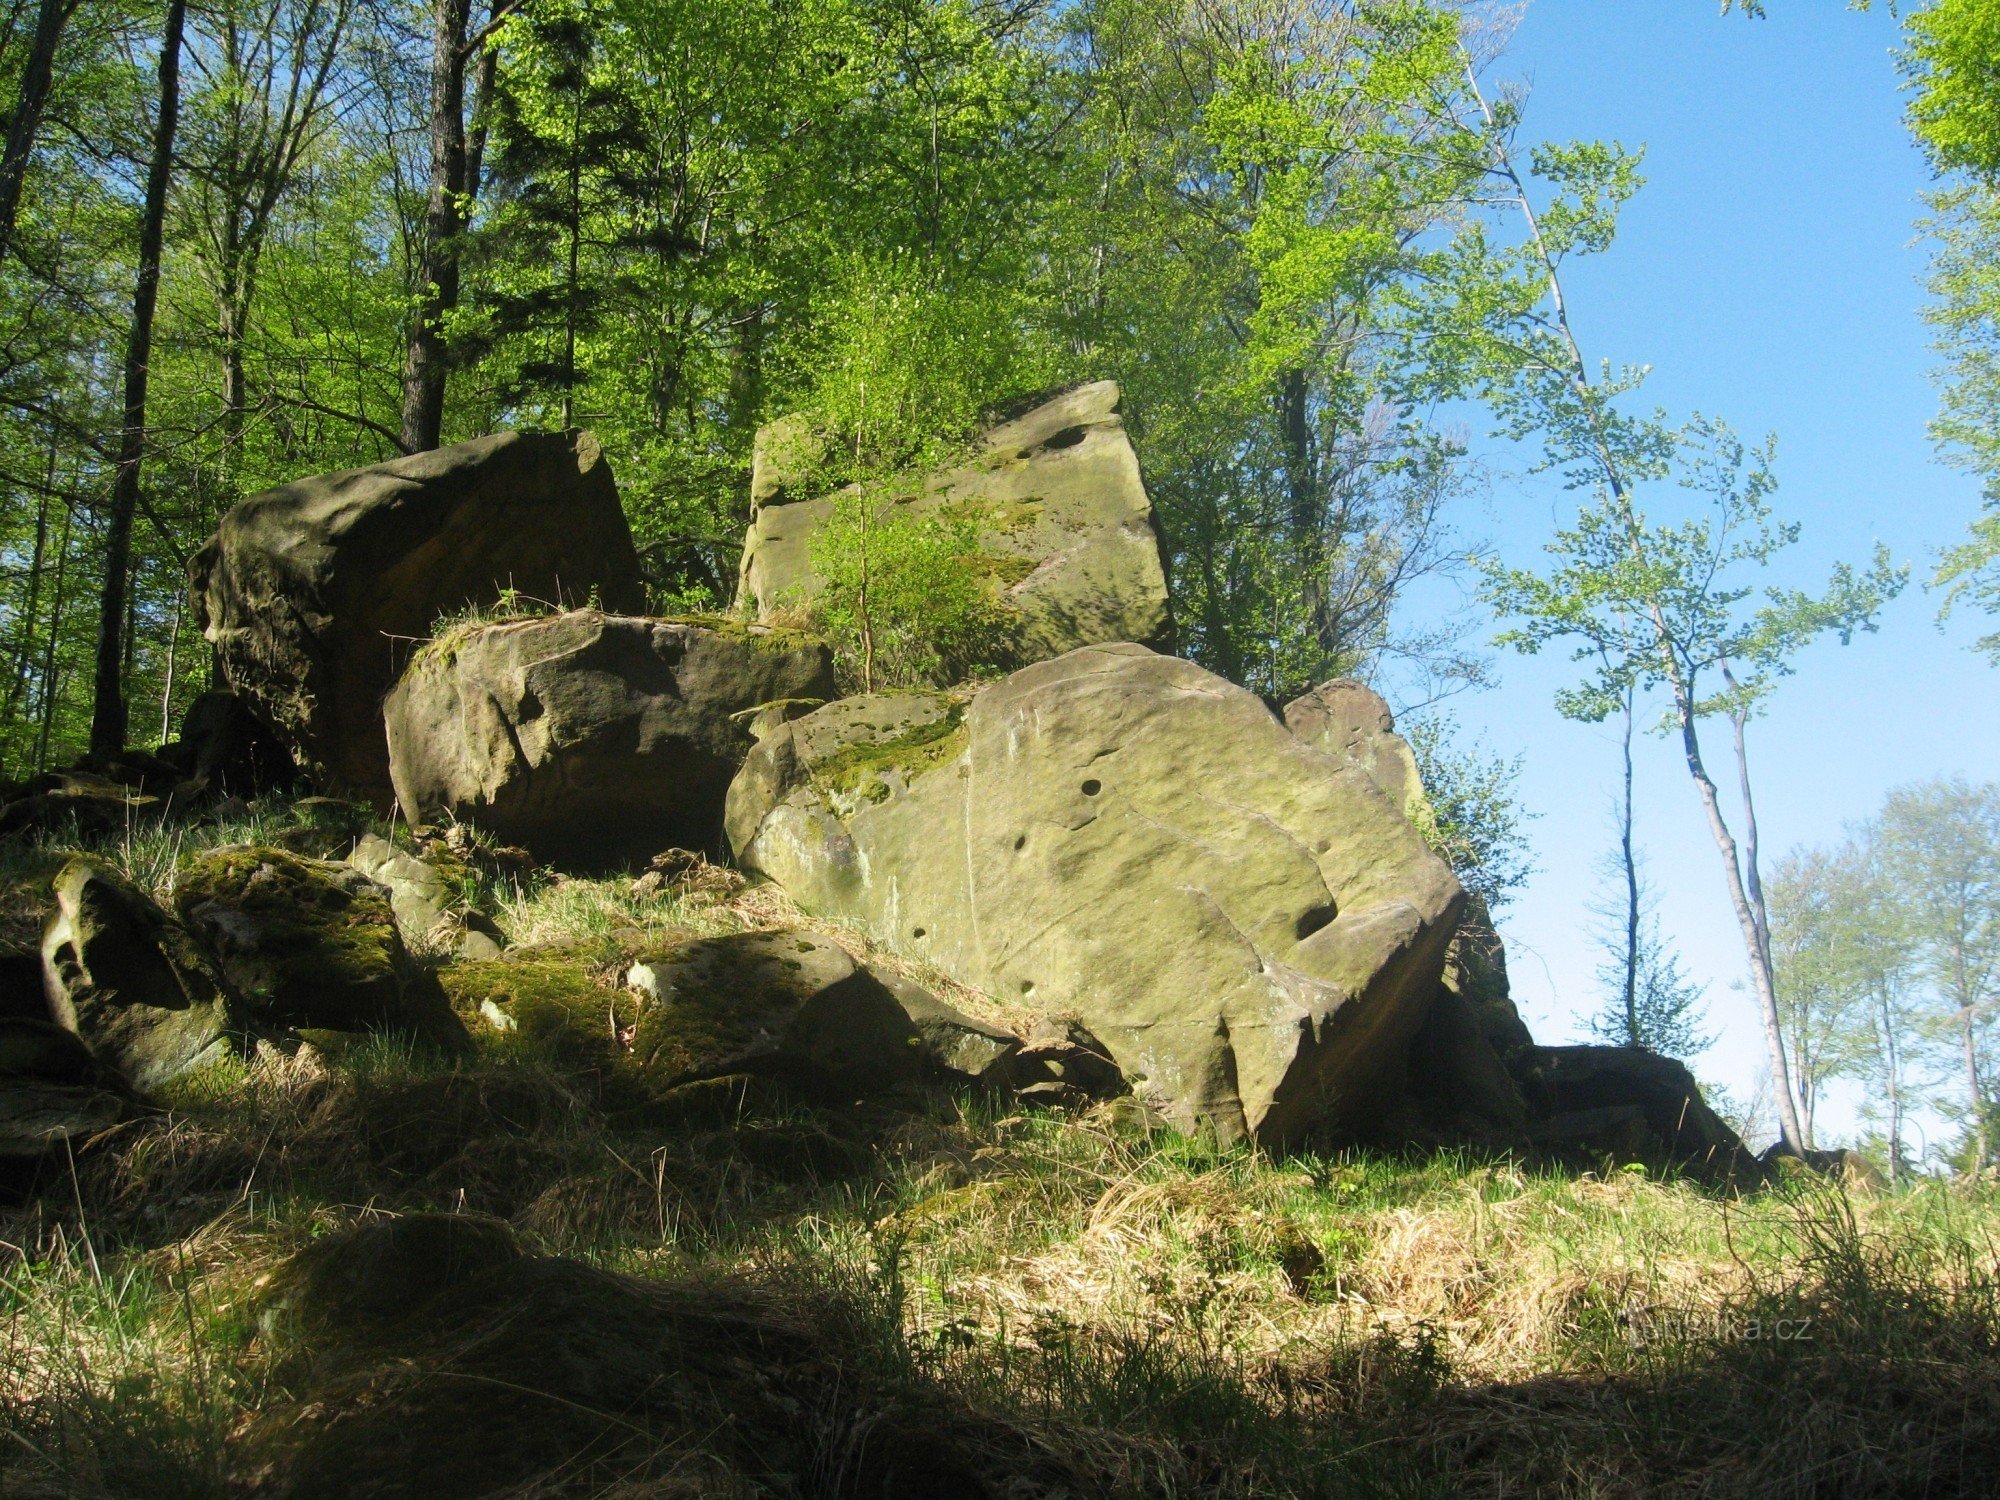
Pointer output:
1627, 1103
591, 737
130, 980
789, 1005
314, 594
310, 944
1059, 503
225, 748
958, 1044
1351, 722
1250, 926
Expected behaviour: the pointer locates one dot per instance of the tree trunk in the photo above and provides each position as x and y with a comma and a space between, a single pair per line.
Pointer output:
31, 611
59, 598
1789, 1125
1629, 856
438, 264
108, 720
1969, 1046
36, 79
1892, 1082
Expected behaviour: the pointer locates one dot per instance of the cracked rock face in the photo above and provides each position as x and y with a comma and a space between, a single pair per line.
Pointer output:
315, 594
1059, 503
591, 737
1249, 925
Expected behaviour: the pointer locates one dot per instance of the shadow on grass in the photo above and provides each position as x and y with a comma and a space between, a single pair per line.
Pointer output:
775, 1342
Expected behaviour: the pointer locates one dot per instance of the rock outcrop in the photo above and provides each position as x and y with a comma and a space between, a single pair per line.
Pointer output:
428, 911
1249, 926
311, 944
314, 594
1058, 501
130, 980
1628, 1103
589, 737
225, 748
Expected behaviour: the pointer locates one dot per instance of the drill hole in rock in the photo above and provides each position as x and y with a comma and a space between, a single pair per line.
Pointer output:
1092, 787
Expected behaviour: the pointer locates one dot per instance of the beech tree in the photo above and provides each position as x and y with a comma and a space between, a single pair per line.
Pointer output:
1672, 607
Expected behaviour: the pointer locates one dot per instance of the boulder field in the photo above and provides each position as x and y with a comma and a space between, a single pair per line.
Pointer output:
1166, 884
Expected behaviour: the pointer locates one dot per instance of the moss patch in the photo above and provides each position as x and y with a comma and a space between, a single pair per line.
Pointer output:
565, 1002
863, 772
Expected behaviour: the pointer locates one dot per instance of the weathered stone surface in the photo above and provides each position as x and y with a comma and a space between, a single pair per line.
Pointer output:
1475, 971
312, 944
428, 911
956, 1042
1351, 722
1248, 925
52, 1089
791, 1005
315, 593
1058, 499
1462, 1084
592, 737
130, 980
1626, 1102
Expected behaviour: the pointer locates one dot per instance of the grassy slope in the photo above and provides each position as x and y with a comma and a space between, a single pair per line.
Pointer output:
1089, 1307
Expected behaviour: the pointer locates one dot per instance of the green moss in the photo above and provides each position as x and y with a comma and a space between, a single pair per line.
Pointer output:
306, 918
565, 1002
862, 772
1004, 568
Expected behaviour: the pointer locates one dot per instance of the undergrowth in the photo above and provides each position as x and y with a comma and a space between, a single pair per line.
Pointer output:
1086, 1305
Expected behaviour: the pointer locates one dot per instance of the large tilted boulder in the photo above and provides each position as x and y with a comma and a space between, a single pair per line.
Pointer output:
593, 737
311, 944
1627, 1103
1056, 496
1250, 926
316, 593
130, 980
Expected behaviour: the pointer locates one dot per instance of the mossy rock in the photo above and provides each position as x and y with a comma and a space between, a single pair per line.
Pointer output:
53, 1089
790, 1005
132, 981
311, 943
565, 1001
26, 896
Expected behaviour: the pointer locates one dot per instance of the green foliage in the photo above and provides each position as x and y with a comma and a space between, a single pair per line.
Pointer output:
895, 372
1671, 605
1473, 814
1949, 55
907, 599
1667, 1013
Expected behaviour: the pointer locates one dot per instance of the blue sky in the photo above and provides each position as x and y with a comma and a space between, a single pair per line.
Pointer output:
1770, 273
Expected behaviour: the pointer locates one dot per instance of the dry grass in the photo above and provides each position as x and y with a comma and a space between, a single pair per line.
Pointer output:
1078, 1305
